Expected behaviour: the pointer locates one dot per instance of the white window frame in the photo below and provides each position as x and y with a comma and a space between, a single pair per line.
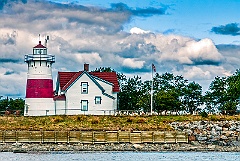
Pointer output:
84, 105
84, 87
98, 100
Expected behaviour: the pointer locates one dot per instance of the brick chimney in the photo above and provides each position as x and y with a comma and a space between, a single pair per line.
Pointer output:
86, 67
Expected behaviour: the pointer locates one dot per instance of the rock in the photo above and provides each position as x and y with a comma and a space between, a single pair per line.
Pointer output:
235, 143
192, 138
202, 138
202, 123
188, 131
218, 128
227, 125
211, 146
166, 146
197, 131
16, 144
137, 146
223, 137
19, 151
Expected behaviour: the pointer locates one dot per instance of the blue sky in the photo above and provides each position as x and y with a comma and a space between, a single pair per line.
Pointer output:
198, 39
194, 18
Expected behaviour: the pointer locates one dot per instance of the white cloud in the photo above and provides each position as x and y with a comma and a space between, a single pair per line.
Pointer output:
136, 30
132, 63
92, 58
80, 34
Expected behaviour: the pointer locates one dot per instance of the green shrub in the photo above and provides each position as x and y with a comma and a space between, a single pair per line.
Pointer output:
204, 114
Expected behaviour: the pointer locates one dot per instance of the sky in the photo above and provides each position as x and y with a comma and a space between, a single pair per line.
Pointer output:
198, 39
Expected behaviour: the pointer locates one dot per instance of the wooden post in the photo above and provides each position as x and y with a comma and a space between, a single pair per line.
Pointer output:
175, 135
42, 136
80, 136
164, 136
16, 136
29, 137
93, 137
130, 139
55, 136
118, 136
68, 137
4, 136
153, 138
105, 136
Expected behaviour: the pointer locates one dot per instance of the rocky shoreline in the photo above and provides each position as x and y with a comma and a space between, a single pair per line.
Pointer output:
194, 146
223, 136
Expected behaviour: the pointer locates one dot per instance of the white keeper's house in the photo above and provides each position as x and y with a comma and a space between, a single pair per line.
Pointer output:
82, 92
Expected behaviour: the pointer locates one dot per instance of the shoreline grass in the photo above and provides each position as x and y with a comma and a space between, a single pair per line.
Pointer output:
101, 123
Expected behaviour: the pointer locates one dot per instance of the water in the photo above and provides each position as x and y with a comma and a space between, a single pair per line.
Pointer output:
120, 156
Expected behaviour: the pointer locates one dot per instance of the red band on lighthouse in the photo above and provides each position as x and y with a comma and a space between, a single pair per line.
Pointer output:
39, 88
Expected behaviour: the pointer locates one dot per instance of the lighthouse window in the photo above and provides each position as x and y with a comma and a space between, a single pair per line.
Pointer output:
84, 105
84, 89
44, 51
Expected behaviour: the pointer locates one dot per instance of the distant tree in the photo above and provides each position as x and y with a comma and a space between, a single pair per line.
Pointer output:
208, 99
104, 69
224, 94
145, 98
172, 88
216, 96
166, 100
130, 94
192, 97
4, 104
12, 104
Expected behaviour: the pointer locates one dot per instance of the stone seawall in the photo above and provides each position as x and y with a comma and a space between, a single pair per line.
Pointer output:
222, 133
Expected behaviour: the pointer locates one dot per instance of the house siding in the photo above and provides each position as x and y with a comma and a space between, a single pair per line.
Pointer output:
74, 97
60, 107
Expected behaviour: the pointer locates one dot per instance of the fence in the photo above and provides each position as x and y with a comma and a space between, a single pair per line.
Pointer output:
93, 137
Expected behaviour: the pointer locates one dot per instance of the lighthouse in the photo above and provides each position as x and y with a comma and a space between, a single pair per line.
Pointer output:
39, 89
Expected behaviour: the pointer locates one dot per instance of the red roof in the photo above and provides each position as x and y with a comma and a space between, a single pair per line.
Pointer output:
110, 77
67, 78
39, 45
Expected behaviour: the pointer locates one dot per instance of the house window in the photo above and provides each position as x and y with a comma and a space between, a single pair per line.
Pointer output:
84, 87
98, 100
84, 105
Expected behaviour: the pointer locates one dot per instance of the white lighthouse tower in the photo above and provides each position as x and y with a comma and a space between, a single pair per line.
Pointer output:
39, 89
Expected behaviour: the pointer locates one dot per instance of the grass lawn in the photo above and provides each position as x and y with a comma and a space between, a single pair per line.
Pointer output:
100, 123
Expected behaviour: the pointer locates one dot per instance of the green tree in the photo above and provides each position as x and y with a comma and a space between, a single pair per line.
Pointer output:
145, 97
130, 94
192, 97
166, 100
208, 99
224, 94
12, 104
172, 87
216, 96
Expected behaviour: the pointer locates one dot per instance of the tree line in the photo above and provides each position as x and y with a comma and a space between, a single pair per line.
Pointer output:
11, 105
173, 93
